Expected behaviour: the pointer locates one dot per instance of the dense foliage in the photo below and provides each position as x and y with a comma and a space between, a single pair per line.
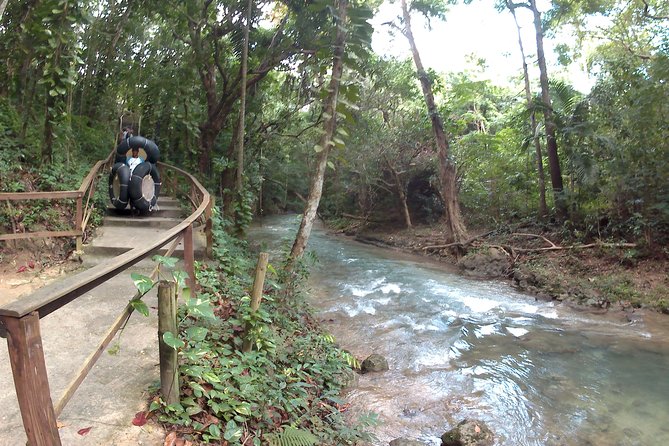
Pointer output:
288, 384
75, 70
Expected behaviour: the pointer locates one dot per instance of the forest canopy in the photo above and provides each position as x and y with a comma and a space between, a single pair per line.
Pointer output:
73, 69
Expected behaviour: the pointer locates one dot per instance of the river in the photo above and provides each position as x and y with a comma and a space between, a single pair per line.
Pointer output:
538, 373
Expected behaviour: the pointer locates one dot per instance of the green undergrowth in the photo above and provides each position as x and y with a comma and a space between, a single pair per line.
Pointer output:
285, 391
77, 148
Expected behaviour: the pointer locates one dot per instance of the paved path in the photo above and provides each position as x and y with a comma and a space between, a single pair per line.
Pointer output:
116, 387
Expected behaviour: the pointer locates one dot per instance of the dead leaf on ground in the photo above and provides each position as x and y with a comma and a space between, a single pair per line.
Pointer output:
171, 439
140, 419
84, 431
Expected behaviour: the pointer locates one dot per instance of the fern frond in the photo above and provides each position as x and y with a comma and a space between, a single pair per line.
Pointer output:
292, 437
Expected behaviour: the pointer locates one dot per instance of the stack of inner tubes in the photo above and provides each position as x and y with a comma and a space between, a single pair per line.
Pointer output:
141, 188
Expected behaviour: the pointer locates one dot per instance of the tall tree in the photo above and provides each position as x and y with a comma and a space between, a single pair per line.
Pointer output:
59, 64
242, 101
549, 123
447, 169
329, 124
543, 208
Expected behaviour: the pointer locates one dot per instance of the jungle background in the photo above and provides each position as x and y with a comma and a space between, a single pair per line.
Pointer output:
282, 106
529, 155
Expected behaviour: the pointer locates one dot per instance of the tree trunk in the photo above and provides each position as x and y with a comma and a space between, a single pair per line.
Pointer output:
330, 107
401, 195
447, 171
239, 149
543, 209
3, 5
551, 141
47, 145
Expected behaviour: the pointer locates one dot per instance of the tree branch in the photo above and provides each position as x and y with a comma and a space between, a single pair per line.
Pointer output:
646, 13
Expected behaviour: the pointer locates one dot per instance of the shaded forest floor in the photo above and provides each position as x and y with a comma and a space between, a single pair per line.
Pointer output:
595, 276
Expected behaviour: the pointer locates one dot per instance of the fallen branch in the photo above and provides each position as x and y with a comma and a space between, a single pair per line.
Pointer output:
461, 244
563, 248
534, 235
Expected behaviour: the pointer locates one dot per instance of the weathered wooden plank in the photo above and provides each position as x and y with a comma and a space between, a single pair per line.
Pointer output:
30, 379
40, 234
189, 257
167, 322
256, 296
209, 228
52, 195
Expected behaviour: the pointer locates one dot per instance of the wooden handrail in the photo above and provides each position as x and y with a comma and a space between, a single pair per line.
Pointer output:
20, 320
81, 212
50, 298
53, 195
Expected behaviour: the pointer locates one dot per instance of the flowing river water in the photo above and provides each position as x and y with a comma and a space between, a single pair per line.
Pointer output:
538, 373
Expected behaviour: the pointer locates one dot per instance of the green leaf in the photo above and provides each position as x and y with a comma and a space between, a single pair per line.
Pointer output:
211, 377
318, 148
244, 410
193, 410
172, 341
170, 262
232, 431
115, 349
215, 431
142, 283
196, 334
198, 307
180, 277
139, 305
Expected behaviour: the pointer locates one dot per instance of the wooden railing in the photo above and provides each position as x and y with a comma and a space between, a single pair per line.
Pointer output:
82, 211
20, 319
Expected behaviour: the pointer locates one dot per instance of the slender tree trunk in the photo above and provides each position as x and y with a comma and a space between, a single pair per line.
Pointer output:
543, 209
447, 171
401, 195
3, 5
549, 123
239, 177
330, 107
47, 145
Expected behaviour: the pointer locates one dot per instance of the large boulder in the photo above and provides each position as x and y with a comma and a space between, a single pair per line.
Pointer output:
468, 433
487, 263
405, 442
374, 363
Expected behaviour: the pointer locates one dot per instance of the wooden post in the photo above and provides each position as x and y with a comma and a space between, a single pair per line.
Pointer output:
189, 257
30, 379
209, 228
79, 221
256, 295
167, 322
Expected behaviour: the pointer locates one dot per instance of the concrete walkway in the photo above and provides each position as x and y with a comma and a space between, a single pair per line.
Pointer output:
116, 388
